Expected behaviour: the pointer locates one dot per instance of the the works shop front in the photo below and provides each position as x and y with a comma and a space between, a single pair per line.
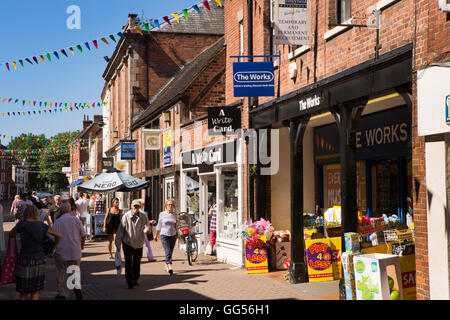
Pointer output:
344, 141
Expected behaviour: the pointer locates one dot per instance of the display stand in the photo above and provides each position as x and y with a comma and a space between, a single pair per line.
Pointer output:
371, 277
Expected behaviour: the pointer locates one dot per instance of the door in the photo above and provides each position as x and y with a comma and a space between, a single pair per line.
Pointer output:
207, 199
169, 189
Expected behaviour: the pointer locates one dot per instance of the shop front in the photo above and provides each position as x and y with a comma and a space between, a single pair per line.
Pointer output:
345, 163
210, 178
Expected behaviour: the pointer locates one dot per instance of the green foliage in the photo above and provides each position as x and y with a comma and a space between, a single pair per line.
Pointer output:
49, 167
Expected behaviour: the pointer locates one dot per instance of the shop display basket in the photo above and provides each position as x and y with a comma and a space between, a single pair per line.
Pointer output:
397, 235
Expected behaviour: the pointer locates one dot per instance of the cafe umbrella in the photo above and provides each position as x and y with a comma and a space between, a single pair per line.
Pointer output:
113, 180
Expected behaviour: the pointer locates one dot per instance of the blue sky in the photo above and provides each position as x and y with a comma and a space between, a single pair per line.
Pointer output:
31, 28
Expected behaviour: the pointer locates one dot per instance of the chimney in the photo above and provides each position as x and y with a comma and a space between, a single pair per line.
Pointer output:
97, 118
86, 122
131, 20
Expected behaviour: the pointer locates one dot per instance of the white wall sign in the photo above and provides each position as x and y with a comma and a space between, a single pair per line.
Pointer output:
292, 22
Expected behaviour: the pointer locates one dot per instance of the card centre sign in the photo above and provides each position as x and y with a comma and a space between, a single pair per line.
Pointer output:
253, 79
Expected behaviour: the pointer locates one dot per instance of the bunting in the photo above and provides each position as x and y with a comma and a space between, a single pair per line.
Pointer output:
154, 23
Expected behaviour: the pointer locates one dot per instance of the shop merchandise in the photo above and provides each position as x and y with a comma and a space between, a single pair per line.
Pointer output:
256, 237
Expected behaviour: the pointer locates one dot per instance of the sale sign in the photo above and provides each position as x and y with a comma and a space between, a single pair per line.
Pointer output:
319, 260
256, 257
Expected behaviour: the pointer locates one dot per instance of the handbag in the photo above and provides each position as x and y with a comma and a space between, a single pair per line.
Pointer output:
49, 244
9, 266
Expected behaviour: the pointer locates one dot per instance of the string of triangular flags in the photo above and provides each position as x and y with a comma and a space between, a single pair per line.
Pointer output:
35, 103
154, 23
51, 150
48, 111
50, 140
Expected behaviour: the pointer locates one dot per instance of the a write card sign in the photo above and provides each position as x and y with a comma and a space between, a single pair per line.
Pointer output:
223, 120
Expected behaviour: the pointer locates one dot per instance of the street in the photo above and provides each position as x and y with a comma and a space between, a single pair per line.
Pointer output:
206, 279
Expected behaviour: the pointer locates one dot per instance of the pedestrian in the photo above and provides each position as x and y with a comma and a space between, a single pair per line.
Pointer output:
68, 252
83, 209
131, 234
111, 223
30, 272
148, 248
54, 209
15, 205
2, 235
73, 208
167, 228
43, 215
212, 230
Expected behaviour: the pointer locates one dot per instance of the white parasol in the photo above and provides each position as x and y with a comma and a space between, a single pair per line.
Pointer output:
113, 181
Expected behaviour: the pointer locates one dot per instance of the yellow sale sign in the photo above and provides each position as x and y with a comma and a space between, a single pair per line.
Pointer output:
318, 258
256, 257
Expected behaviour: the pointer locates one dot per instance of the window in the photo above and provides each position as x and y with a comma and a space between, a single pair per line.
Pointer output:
241, 37
343, 12
228, 214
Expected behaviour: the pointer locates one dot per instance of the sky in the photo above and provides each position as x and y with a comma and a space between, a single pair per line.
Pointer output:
33, 28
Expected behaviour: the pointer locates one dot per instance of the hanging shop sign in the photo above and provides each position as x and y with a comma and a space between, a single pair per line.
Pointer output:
66, 170
386, 133
151, 139
128, 150
167, 147
447, 110
292, 22
108, 163
253, 79
223, 120
205, 158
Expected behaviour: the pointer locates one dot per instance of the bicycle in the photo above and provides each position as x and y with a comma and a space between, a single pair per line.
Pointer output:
187, 234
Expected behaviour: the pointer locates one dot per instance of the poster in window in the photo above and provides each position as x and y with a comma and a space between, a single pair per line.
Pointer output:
167, 147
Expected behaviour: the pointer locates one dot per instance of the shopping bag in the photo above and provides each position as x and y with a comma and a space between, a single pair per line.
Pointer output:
118, 258
9, 265
148, 250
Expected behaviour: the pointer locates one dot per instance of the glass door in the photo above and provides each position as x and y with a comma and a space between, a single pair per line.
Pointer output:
207, 200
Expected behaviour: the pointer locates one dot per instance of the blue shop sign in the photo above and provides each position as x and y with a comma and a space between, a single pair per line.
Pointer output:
127, 151
447, 109
253, 79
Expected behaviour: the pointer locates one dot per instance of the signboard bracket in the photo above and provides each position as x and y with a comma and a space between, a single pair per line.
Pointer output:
266, 57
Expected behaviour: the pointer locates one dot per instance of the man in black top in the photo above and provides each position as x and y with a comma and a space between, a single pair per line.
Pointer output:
54, 209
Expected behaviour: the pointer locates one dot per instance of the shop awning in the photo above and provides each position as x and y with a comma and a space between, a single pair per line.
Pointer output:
75, 183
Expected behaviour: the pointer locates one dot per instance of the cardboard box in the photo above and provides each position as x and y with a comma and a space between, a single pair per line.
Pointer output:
352, 242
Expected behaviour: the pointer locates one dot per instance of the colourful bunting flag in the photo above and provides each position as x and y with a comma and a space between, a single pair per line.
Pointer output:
196, 8
104, 40
206, 4
112, 37
166, 19
95, 43
87, 45
138, 30
176, 17
185, 12
219, 3
157, 23
79, 48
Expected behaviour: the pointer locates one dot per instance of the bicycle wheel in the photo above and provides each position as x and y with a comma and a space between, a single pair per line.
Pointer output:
194, 249
188, 250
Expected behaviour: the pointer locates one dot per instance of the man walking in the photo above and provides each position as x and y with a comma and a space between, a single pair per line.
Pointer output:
54, 209
131, 234
68, 252
83, 209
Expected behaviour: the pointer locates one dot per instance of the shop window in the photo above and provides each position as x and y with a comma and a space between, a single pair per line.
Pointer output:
228, 223
385, 188
332, 186
192, 194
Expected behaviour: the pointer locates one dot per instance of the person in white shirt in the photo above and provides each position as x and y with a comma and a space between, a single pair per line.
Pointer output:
83, 209
68, 252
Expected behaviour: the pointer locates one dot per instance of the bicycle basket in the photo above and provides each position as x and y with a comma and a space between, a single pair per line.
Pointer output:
185, 231
184, 220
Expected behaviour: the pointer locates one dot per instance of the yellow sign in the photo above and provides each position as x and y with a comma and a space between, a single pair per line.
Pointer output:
336, 252
256, 257
318, 257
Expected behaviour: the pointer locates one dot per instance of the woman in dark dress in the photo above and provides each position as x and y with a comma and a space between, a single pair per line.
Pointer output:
30, 272
111, 223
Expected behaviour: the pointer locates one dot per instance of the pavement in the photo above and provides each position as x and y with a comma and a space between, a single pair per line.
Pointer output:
206, 279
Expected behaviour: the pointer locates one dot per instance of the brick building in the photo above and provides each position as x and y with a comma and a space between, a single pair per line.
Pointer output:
86, 152
139, 70
354, 81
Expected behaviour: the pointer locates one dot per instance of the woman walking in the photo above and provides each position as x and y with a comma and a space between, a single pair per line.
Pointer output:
111, 223
15, 206
30, 272
167, 228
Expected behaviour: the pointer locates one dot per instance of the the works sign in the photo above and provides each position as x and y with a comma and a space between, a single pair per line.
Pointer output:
386, 133
253, 79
